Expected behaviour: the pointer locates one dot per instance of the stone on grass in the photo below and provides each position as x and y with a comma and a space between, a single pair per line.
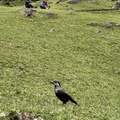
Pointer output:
99, 31
51, 30
15, 115
2, 115
28, 11
108, 25
117, 6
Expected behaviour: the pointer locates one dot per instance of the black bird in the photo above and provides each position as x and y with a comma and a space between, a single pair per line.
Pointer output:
61, 94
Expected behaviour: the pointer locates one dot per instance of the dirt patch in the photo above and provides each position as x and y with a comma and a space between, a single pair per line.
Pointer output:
51, 14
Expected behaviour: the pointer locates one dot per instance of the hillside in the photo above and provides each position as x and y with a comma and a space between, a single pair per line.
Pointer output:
75, 44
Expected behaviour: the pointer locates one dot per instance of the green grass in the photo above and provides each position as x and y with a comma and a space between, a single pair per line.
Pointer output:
85, 62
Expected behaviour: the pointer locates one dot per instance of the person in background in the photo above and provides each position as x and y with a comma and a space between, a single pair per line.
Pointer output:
29, 5
44, 5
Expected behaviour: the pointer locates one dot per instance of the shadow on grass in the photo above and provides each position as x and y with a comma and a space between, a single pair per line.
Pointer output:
95, 10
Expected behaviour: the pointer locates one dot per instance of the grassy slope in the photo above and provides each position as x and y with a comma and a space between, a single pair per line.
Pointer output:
86, 63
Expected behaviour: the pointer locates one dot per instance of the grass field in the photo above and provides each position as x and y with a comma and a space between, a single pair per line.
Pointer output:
38, 49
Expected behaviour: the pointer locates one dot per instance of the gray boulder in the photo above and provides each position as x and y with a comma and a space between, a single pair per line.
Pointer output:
28, 11
117, 6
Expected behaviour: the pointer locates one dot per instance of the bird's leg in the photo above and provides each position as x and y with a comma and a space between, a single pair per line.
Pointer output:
64, 103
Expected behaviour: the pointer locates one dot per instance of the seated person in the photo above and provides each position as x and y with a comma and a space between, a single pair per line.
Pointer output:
28, 4
44, 5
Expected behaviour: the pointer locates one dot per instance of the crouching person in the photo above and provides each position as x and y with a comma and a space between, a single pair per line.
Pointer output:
44, 5
29, 5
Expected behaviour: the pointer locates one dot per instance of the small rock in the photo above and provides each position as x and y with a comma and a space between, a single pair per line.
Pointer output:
2, 115
118, 3
95, 2
51, 30
38, 118
118, 25
93, 24
108, 25
99, 31
113, 23
28, 11
117, 6
71, 12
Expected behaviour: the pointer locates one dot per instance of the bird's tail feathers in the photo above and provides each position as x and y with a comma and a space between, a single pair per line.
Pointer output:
74, 101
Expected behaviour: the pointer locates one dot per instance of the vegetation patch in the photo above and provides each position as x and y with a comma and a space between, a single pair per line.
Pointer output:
106, 25
74, 48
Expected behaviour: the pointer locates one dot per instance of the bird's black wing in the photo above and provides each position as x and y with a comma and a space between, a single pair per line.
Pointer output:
63, 96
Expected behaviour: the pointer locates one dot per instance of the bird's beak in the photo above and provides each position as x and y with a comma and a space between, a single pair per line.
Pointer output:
52, 82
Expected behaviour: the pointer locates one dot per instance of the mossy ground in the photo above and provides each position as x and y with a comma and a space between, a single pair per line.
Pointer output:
85, 62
